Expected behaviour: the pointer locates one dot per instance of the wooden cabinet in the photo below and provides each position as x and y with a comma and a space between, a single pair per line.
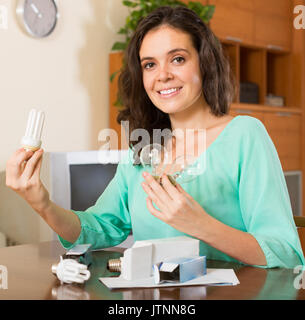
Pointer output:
256, 37
233, 20
253, 69
284, 129
273, 23
265, 23
279, 76
269, 69
273, 32
246, 112
115, 64
273, 7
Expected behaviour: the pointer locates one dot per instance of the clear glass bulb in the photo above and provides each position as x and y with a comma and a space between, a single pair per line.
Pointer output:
186, 168
153, 158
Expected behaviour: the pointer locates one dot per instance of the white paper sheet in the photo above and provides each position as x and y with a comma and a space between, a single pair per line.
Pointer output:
215, 277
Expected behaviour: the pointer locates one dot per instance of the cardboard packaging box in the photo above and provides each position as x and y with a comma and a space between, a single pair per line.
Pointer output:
180, 269
138, 261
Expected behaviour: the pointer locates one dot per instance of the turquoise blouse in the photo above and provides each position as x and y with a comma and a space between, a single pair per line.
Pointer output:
242, 186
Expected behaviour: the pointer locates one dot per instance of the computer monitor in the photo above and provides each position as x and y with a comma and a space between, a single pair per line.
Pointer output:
79, 178
294, 186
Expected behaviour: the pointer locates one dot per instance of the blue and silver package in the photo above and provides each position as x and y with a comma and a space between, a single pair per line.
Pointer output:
180, 269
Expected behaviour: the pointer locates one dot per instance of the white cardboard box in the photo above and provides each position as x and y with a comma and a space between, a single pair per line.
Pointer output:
138, 260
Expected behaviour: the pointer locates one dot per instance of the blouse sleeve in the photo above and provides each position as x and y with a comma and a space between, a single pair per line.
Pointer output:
107, 223
264, 200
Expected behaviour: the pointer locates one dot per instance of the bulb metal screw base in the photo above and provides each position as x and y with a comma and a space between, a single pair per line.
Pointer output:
114, 265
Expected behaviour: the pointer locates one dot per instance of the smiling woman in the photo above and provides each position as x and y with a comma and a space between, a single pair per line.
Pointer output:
176, 77
184, 72
186, 84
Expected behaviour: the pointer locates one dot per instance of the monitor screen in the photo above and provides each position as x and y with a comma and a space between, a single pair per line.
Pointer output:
293, 182
88, 182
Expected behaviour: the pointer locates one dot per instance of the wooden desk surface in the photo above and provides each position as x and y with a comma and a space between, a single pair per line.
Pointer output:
30, 277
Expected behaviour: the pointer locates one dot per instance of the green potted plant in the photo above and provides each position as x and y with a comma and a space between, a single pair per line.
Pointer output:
141, 8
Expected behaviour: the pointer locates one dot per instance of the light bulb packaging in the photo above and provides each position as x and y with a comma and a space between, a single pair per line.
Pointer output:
81, 253
179, 269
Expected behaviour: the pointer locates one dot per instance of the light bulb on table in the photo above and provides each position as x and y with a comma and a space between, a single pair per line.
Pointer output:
32, 138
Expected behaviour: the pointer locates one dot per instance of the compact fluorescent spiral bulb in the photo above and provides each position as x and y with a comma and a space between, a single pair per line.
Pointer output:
70, 271
32, 138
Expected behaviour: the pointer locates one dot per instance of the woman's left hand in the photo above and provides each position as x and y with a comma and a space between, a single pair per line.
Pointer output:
178, 208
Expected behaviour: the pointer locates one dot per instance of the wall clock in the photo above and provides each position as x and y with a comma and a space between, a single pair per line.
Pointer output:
37, 18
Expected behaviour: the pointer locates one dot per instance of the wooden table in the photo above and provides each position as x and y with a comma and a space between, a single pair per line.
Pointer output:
30, 278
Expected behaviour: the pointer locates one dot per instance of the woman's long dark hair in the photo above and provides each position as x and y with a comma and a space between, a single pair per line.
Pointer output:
217, 82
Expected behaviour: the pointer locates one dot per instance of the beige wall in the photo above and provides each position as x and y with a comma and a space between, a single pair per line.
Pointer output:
66, 75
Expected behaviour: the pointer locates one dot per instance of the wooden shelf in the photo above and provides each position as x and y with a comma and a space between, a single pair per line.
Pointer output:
269, 69
264, 108
250, 45
253, 69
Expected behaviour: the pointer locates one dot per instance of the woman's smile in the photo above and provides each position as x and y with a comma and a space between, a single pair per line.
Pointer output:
169, 93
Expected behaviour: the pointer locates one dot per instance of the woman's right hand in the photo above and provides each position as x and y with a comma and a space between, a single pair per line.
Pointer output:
23, 176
